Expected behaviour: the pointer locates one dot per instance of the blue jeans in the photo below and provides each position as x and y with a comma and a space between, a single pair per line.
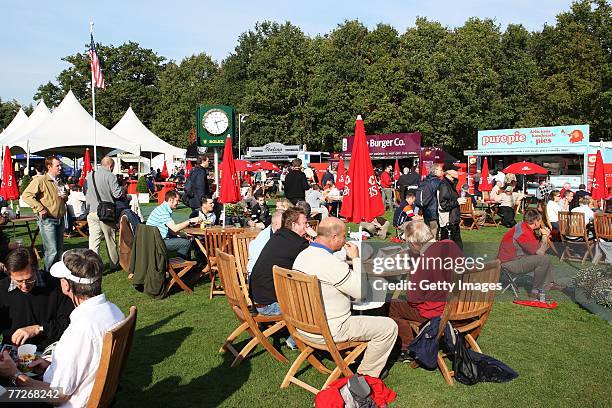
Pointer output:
181, 245
52, 234
273, 309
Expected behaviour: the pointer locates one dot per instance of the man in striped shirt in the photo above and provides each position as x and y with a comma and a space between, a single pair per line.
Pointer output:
161, 217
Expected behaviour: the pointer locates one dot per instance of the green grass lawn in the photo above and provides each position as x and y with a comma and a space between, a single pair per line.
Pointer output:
563, 356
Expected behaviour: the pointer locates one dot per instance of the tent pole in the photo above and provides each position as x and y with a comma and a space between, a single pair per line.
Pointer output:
27, 158
139, 157
93, 106
216, 152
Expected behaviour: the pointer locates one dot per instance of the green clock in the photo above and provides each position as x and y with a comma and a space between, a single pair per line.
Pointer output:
214, 123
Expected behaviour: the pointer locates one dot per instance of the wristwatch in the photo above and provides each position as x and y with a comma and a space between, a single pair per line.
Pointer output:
41, 329
15, 378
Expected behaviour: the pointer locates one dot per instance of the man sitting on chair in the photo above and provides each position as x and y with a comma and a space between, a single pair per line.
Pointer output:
75, 359
338, 285
256, 245
161, 217
521, 252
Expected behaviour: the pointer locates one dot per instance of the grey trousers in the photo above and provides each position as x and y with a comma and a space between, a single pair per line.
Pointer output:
99, 229
388, 195
538, 264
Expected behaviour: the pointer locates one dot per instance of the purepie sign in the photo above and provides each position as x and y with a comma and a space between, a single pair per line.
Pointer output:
387, 146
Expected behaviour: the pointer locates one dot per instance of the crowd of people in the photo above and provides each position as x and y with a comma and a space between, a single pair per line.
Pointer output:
62, 311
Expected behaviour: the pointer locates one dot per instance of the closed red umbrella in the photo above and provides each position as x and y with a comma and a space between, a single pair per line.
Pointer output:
340, 175
485, 185
423, 170
525, 168
188, 168
86, 167
599, 190
8, 189
164, 173
396, 171
230, 188
362, 199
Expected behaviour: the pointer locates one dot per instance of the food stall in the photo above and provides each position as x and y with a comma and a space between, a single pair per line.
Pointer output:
563, 150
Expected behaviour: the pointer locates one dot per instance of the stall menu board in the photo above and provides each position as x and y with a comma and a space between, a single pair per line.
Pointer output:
540, 140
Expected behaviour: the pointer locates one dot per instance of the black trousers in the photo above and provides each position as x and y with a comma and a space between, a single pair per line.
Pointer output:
507, 216
452, 232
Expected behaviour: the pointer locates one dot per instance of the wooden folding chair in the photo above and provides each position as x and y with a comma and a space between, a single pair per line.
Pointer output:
80, 227
126, 239
467, 213
314, 224
215, 238
299, 297
177, 268
249, 323
116, 347
467, 310
241, 252
603, 229
574, 234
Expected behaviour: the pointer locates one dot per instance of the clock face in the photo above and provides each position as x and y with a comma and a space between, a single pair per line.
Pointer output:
215, 121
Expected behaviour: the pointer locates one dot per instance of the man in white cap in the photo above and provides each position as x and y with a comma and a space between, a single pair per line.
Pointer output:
76, 356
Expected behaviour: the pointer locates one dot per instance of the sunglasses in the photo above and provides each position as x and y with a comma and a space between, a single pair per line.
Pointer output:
30, 281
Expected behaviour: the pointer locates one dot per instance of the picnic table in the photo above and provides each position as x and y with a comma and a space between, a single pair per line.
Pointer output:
490, 208
32, 232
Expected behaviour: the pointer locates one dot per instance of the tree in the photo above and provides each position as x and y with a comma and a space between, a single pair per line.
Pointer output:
181, 89
131, 75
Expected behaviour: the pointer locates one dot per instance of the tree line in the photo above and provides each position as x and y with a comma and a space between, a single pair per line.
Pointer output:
446, 83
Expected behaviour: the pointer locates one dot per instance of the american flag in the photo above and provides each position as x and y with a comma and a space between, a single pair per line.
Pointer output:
98, 78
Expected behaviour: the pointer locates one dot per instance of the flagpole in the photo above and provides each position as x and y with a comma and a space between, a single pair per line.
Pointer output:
93, 107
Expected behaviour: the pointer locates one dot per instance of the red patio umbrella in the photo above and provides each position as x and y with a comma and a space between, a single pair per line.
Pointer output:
485, 185
340, 175
243, 165
230, 187
396, 171
8, 189
164, 173
598, 185
188, 168
86, 167
362, 199
525, 168
266, 165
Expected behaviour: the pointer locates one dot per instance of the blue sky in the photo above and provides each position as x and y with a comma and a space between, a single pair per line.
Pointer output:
36, 34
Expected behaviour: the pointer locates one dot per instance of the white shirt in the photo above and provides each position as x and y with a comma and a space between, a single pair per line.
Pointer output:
77, 354
500, 177
588, 213
552, 211
256, 246
76, 204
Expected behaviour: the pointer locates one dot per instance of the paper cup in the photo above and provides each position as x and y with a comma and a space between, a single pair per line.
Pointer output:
26, 354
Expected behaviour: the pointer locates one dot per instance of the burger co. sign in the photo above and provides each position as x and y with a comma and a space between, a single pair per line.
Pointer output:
388, 146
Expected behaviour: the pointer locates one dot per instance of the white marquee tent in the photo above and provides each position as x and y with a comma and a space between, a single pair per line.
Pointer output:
19, 119
69, 130
40, 115
131, 128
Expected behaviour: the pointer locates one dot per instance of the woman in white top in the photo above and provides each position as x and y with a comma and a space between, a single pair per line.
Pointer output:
552, 209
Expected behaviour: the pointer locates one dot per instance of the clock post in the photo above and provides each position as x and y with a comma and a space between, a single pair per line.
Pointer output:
213, 124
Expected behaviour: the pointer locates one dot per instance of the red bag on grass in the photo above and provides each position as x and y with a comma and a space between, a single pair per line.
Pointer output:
330, 397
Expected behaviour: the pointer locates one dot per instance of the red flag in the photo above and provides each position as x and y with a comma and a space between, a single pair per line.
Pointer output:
230, 188
86, 167
598, 186
362, 200
485, 185
188, 168
396, 171
8, 189
98, 78
164, 173
340, 175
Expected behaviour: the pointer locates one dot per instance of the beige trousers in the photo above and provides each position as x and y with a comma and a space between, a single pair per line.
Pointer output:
538, 264
98, 228
380, 332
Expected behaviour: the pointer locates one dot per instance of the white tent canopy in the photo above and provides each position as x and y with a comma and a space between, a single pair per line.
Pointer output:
19, 119
70, 130
40, 115
130, 127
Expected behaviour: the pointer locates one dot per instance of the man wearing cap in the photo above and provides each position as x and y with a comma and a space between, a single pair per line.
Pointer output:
449, 214
76, 356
